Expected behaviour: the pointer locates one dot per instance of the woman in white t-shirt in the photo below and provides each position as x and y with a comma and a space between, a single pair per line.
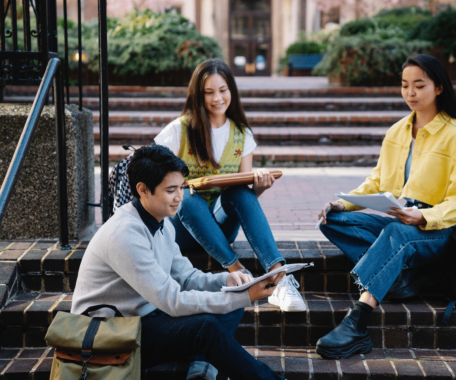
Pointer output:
213, 137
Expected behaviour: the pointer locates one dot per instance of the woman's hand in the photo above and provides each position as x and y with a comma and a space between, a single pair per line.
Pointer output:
410, 216
262, 181
259, 291
238, 278
336, 206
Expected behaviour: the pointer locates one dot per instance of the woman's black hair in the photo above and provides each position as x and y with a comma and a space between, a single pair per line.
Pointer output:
435, 70
150, 164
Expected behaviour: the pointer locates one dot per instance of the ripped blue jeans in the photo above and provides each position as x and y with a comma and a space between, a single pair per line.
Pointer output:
381, 247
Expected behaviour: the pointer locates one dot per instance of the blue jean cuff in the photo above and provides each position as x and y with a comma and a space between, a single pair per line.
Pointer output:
360, 285
202, 369
278, 260
236, 258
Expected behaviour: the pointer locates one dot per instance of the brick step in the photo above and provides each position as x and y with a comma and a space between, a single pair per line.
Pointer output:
414, 324
249, 104
166, 92
296, 119
44, 268
264, 135
293, 363
290, 155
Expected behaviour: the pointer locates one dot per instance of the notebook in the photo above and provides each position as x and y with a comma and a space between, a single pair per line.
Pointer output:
288, 267
379, 202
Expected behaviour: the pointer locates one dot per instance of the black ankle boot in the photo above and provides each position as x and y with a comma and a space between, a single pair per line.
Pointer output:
347, 339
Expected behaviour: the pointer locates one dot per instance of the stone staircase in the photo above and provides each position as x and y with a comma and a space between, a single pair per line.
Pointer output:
309, 127
38, 280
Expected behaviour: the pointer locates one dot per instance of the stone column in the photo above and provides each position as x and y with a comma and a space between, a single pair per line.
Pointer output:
33, 211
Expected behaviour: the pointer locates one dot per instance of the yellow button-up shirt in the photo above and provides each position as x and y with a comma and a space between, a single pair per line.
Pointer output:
432, 177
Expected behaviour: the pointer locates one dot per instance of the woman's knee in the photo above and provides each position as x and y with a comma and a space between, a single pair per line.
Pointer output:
239, 193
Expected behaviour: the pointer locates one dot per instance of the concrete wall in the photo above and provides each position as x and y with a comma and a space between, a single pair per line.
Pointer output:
33, 210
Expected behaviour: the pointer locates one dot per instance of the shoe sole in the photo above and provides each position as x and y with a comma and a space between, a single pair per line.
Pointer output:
275, 302
363, 347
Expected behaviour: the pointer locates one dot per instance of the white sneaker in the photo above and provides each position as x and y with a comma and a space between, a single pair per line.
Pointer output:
286, 295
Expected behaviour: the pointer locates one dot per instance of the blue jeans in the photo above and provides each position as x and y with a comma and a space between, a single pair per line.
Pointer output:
166, 339
216, 227
381, 247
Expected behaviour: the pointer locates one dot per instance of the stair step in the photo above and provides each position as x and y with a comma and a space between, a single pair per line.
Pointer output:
414, 324
164, 92
264, 135
298, 119
291, 362
290, 155
249, 104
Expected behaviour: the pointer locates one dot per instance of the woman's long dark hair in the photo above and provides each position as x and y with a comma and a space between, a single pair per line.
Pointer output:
199, 132
435, 70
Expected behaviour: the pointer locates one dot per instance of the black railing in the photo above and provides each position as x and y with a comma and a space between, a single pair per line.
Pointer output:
53, 73
26, 66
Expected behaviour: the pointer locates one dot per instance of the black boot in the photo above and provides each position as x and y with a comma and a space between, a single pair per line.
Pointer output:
347, 339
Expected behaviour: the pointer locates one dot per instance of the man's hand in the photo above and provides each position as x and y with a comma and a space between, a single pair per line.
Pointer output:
410, 216
262, 181
238, 278
336, 206
259, 291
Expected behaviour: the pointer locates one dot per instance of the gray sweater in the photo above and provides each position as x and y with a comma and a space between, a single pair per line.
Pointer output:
125, 266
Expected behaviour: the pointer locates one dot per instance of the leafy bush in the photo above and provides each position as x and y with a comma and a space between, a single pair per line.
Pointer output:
144, 42
403, 18
368, 59
359, 26
439, 30
301, 47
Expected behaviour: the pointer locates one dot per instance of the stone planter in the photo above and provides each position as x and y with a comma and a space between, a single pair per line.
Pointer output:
32, 212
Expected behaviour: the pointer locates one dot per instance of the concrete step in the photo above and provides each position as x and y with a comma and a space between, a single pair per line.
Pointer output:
413, 324
293, 363
249, 104
169, 92
52, 270
290, 155
296, 119
265, 135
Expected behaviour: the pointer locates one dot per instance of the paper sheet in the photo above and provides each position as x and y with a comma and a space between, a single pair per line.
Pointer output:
288, 267
379, 202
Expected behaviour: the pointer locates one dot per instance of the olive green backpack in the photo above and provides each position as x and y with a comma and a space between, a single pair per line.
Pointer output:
89, 348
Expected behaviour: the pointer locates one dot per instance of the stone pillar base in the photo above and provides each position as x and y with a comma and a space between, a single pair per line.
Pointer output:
33, 209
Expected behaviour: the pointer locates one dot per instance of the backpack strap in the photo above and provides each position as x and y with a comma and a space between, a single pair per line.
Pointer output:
448, 311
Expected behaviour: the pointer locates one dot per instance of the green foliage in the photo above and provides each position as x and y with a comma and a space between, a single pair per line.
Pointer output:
363, 58
439, 30
305, 47
144, 42
403, 18
359, 26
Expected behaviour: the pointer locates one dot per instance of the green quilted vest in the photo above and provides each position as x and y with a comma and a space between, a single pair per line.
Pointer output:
229, 163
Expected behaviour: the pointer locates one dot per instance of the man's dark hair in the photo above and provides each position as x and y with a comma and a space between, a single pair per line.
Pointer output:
435, 70
150, 164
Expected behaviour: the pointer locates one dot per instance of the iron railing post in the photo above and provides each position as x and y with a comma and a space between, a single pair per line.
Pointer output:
104, 110
80, 55
67, 74
62, 192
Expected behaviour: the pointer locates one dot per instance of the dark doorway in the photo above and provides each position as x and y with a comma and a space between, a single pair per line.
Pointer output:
250, 37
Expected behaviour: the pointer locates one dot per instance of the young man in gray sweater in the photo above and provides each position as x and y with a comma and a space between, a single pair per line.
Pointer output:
134, 264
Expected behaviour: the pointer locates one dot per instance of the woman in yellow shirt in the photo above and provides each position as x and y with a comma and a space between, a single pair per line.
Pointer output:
417, 162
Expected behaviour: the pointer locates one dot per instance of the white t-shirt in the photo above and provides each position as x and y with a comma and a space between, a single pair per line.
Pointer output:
170, 137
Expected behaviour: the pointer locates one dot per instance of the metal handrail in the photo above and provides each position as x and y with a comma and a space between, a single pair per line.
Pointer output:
53, 73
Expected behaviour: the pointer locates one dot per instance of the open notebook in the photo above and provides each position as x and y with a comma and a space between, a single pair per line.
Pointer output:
288, 267
379, 202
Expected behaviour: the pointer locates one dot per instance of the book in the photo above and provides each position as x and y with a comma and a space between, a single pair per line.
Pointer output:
289, 268
378, 202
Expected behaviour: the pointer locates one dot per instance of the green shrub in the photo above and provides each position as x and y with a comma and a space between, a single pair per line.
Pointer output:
368, 59
305, 47
359, 26
439, 30
144, 42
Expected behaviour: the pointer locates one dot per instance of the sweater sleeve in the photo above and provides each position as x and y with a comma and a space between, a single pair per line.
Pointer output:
129, 255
